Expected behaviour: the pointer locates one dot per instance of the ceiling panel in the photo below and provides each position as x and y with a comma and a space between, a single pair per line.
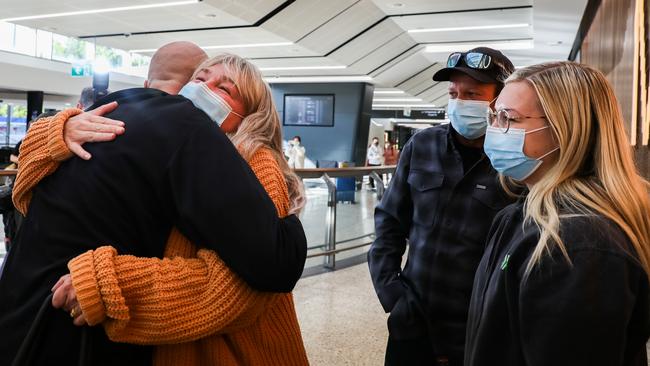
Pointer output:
176, 17
344, 27
392, 7
206, 39
248, 10
379, 37
305, 16
382, 52
34, 7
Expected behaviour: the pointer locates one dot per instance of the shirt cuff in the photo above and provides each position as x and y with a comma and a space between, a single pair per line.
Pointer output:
390, 294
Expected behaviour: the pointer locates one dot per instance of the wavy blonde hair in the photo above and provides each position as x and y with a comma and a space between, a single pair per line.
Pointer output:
595, 171
261, 124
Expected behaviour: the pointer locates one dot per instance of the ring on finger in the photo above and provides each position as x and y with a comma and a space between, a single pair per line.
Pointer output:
73, 312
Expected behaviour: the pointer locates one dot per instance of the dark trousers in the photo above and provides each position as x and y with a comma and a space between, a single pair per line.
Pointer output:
372, 181
411, 352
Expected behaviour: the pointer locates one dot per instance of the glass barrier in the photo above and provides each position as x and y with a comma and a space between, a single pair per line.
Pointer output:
339, 215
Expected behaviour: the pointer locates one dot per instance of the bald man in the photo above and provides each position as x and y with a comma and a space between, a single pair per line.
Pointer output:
172, 66
172, 167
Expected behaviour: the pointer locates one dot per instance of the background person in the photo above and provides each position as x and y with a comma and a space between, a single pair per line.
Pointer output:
391, 157
374, 157
296, 153
442, 199
564, 278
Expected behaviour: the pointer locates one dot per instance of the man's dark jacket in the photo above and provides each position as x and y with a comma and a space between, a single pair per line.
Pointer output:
445, 213
172, 167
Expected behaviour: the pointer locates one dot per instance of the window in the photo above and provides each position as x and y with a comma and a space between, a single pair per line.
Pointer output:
114, 58
7, 34
25, 40
71, 49
43, 44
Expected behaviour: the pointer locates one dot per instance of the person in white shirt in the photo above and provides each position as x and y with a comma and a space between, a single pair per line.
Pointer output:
296, 153
374, 157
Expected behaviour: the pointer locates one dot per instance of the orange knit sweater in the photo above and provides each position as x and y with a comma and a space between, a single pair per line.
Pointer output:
189, 303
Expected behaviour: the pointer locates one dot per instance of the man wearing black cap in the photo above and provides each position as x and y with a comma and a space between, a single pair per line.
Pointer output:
442, 199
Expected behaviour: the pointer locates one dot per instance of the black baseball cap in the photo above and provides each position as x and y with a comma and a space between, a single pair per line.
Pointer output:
497, 73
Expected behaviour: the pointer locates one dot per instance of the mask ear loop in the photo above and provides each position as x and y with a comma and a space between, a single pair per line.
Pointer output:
548, 153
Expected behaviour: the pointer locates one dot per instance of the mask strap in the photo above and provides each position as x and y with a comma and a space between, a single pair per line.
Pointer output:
236, 114
548, 153
537, 129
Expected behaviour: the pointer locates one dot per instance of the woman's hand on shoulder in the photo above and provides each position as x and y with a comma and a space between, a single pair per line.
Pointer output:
91, 126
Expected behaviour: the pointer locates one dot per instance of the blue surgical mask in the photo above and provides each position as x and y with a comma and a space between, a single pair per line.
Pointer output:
468, 117
208, 101
506, 152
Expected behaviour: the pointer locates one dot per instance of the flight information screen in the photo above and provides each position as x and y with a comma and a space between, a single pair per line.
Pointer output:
309, 110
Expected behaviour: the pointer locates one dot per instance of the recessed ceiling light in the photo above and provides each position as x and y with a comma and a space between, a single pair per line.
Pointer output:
105, 10
397, 100
319, 79
248, 45
473, 27
403, 106
303, 68
389, 92
464, 46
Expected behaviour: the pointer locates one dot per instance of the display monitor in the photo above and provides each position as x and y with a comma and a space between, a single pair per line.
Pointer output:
309, 110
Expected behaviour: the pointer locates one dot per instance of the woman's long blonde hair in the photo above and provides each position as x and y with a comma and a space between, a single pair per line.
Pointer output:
261, 124
595, 171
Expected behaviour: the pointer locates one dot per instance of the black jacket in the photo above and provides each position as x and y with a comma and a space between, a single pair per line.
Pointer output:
172, 167
594, 312
445, 213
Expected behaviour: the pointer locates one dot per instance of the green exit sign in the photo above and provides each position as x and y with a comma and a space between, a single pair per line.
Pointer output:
81, 70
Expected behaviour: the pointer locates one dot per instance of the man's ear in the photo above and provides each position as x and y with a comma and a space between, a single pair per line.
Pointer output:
146, 83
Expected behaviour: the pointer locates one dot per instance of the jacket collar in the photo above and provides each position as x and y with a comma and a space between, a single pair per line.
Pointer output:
128, 95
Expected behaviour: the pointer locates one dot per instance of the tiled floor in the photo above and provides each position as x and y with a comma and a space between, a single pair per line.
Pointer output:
340, 317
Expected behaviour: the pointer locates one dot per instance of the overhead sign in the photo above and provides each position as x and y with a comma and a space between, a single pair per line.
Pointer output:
414, 113
81, 70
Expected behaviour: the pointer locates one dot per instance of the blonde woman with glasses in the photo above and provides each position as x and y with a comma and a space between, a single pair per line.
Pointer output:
564, 278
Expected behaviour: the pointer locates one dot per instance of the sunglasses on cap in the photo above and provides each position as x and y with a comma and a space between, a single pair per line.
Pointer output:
474, 60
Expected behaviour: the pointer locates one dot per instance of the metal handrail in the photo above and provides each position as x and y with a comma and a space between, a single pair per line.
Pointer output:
8, 173
344, 172
319, 246
330, 250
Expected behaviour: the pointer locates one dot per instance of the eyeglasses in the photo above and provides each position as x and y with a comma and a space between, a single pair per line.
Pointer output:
475, 60
503, 119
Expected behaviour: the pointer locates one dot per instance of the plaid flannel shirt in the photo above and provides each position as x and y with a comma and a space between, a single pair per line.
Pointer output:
445, 214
